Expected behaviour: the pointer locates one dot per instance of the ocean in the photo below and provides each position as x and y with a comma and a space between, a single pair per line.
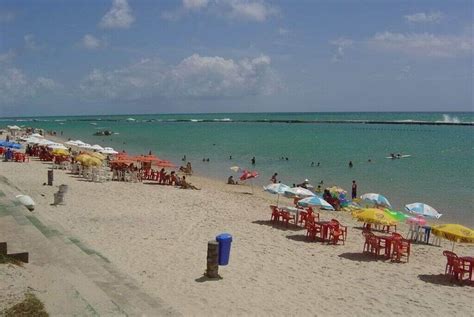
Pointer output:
439, 171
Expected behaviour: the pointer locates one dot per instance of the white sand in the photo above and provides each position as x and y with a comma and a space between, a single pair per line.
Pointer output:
158, 235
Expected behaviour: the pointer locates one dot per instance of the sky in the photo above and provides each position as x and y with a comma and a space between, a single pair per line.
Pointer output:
142, 56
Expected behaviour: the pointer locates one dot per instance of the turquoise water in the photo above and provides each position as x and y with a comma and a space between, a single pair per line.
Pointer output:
440, 171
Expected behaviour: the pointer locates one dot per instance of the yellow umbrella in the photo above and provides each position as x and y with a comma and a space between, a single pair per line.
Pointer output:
60, 152
91, 161
454, 233
98, 155
82, 157
375, 216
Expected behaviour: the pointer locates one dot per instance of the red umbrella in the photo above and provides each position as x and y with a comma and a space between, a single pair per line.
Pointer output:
248, 175
164, 163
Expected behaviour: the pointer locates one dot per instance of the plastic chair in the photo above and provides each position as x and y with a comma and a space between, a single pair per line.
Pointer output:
450, 257
275, 213
341, 227
336, 234
401, 248
286, 217
312, 231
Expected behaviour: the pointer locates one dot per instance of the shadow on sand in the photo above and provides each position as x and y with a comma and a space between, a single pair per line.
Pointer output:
362, 257
277, 225
204, 278
442, 279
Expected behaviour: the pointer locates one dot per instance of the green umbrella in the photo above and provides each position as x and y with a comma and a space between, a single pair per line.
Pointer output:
400, 216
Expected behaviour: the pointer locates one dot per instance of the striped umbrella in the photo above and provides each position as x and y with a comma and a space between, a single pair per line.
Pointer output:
423, 210
315, 201
376, 199
276, 189
298, 192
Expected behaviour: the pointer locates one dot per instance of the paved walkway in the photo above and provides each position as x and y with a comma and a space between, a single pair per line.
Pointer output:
74, 279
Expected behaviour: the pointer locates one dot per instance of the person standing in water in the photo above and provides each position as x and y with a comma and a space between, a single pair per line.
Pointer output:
350, 164
354, 189
253, 160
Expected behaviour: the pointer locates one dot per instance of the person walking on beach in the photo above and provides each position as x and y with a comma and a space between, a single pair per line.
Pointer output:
354, 189
274, 178
253, 160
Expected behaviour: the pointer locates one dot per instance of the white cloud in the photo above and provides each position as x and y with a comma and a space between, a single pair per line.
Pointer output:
424, 44
422, 17
118, 17
195, 76
16, 87
6, 16
7, 56
341, 45
91, 42
195, 4
249, 10
257, 11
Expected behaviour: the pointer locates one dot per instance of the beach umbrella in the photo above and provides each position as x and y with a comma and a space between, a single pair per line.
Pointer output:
96, 147
11, 145
82, 157
276, 189
417, 220
164, 163
62, 152
235, 169
375, 216
32, 140
376, 199
400, 216
246, 175
454, 232
315, 201
91, 161
44, 142
298, 192
55, 146
85, 146
13, 127
37, 135
71, 142
336, 190
108, 150
423, 210
98, 155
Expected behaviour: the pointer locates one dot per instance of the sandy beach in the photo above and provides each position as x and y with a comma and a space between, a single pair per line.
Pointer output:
158, 236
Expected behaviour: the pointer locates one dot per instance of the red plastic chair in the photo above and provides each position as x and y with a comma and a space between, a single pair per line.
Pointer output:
376, 245
286, 217
401, 248
275, 213
341, 227
336, 234
312, 230
451, 258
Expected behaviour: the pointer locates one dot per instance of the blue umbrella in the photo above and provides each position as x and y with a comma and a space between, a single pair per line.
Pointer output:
423, 209
315, 201
11, 145
376, 199
276, 189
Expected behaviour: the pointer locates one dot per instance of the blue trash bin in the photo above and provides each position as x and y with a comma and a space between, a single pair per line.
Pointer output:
225, 240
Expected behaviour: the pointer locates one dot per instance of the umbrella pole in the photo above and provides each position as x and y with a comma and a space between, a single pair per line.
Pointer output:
278, 198
251, 185
453, 247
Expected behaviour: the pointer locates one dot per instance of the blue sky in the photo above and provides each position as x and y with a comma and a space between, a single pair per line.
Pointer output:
136, 56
